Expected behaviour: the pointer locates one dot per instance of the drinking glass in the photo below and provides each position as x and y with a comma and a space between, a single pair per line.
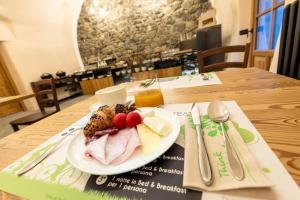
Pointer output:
148, 93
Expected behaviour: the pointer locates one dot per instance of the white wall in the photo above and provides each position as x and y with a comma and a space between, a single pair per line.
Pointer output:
234, 15
45, 38
5, 32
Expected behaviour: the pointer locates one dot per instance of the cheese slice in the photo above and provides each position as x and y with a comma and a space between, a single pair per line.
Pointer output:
158, 125
149, 139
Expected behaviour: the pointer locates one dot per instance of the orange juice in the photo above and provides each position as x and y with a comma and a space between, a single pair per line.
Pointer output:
149, 98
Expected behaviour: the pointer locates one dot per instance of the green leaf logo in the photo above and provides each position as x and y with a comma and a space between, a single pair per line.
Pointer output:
212, 128
213, 133
247, 135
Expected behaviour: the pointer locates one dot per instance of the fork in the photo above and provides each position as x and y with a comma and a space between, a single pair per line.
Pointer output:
44, 155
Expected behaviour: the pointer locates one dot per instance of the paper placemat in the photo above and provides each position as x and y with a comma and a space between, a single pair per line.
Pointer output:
190, 81
184, 82
54, 178
215, 145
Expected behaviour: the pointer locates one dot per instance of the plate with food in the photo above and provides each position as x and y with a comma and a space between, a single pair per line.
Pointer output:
121, 138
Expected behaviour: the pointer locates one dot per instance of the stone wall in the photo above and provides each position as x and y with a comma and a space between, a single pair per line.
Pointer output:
135, 26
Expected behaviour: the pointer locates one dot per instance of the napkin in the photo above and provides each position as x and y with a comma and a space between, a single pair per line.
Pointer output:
223, 180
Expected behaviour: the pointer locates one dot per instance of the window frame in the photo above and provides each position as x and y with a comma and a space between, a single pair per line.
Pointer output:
272, 9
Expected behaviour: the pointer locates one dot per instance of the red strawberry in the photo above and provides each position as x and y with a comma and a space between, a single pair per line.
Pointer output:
133, 119
119, 120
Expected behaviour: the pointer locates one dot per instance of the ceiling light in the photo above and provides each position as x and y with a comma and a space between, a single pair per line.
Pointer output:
92, 10
102, 12
96, 3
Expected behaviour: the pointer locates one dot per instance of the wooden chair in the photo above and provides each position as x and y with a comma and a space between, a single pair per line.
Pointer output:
46, 96
222, 50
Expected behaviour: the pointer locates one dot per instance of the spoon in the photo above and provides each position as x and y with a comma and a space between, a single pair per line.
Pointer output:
219, 113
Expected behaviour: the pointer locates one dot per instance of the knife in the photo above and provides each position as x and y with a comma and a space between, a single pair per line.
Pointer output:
44, 155
203, 159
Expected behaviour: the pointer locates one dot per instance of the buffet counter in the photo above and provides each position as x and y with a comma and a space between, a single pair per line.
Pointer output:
90, 86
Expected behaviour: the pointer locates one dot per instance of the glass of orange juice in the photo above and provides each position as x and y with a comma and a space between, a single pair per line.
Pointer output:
150, 95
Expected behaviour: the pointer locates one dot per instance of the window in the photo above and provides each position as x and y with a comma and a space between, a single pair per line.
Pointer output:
268, 22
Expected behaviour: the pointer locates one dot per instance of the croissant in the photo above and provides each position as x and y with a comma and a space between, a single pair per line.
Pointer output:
103, 118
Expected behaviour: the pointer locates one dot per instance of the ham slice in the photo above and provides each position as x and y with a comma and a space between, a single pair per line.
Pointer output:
116, 144
114, 149
132, 144
96, 149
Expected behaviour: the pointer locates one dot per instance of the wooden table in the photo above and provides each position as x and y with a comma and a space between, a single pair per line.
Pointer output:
271, 102
12, 104
91, 86
184, 52
11, 99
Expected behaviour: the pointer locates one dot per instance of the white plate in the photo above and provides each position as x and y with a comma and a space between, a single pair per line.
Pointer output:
76, 149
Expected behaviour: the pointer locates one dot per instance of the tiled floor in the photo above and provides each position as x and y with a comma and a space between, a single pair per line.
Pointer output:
5, 128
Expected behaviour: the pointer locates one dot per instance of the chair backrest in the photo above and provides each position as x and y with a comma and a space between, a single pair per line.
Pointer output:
45, 94
222, 65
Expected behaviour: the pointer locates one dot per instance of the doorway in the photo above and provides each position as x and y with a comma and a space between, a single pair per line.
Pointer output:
7, 88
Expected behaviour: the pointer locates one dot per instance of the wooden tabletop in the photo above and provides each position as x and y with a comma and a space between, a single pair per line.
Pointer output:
17, 98
270, 101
